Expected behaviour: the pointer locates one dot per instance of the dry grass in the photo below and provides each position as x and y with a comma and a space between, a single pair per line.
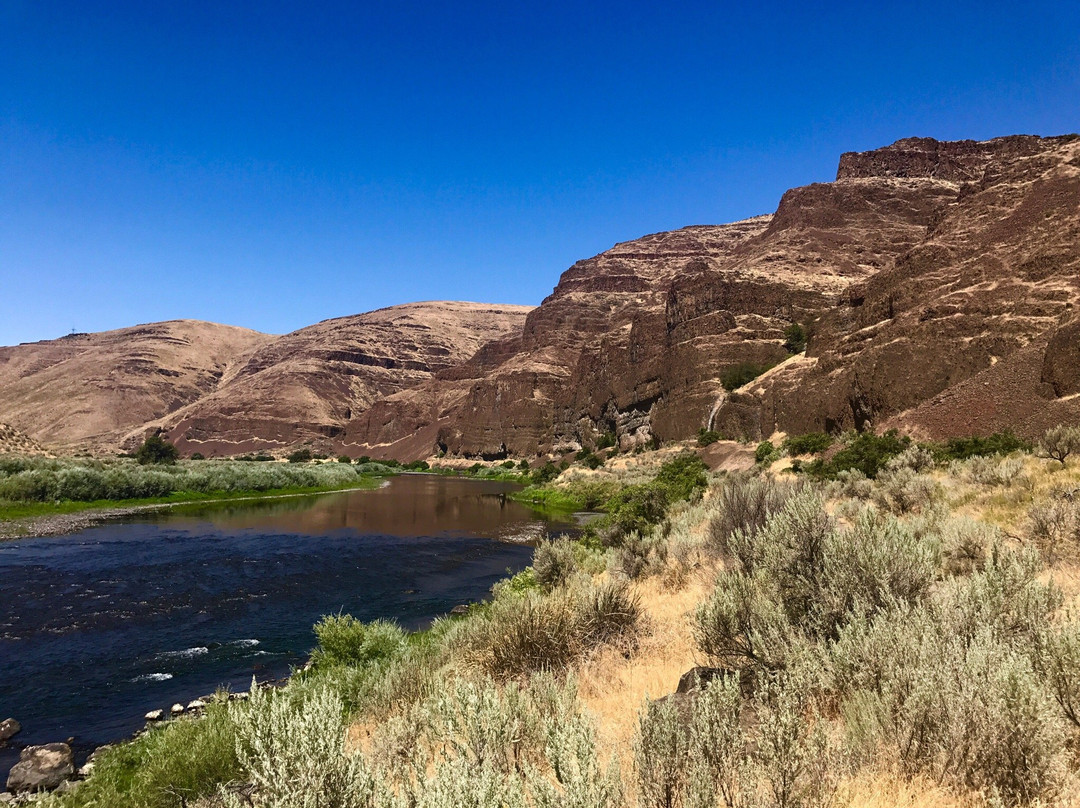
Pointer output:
612, 687
1007, 507
885, 790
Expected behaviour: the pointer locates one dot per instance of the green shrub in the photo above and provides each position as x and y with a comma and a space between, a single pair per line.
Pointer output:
736, 376
170, 766
867, 452
635, 508
301, 456
344, 640
523, 465
683, 477
707, 437
809, 444
344, 459
156, 450
198, 456
795, 338
999, 443
545, 473
765, 452
606, 441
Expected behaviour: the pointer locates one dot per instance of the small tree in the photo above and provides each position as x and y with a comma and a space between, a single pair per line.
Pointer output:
795, 338
156, 449
1059, 442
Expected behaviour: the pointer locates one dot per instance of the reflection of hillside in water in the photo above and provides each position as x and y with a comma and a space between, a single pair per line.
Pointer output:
410, 505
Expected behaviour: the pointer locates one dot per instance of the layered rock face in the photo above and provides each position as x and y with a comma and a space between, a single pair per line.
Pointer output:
969, 330
221, 390
88, 391
923, 265
304, 388
938, 282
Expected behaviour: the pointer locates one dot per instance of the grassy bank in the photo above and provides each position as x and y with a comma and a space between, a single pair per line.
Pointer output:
907, 639
40, 487
33, 510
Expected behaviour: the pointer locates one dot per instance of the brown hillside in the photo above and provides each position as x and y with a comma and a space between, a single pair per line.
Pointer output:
924, 264
303, 388
87, 391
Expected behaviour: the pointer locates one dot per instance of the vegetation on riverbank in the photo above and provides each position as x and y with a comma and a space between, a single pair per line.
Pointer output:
36, 486
907, 639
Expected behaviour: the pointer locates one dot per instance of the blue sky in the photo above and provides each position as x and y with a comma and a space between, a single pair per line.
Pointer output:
273, 164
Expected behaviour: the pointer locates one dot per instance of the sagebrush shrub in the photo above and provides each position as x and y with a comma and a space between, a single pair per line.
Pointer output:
533, 631
1059, 442
344, 640
293, 749
553, 563
902, 490
1054, 524
745, 503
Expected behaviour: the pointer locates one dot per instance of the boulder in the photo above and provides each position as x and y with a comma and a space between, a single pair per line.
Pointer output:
698, 678
41, 768
9, 727
154, 715
197, 704
459, 610
177, 709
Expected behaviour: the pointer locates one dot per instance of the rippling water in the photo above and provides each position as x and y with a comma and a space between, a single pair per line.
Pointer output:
99, 627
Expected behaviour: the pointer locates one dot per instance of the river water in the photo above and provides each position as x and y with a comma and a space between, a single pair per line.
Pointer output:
101, 626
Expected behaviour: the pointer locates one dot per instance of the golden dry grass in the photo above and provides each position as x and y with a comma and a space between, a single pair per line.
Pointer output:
886, 790
1007, 506
613, 687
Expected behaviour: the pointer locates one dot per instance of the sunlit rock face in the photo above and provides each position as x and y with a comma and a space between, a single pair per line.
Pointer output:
922, 266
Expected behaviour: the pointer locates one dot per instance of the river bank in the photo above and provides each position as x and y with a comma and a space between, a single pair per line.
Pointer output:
59, 519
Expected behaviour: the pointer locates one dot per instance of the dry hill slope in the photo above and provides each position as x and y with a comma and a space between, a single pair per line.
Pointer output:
86, 391
304, 388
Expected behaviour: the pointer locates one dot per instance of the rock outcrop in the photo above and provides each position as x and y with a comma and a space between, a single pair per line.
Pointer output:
923, 265
938, 283
41, 768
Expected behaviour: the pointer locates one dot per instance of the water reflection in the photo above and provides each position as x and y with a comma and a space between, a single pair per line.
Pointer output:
407, 505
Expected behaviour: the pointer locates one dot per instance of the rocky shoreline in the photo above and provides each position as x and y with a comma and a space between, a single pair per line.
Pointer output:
51, 767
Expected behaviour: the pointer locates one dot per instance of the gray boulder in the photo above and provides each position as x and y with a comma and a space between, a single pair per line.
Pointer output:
9, 728
41, 768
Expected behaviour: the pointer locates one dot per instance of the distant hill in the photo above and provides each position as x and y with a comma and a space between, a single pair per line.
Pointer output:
224, 390
938, 284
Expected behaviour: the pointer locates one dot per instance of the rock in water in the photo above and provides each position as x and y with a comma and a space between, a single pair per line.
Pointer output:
9, 727
154, 715
41, 768
177, 709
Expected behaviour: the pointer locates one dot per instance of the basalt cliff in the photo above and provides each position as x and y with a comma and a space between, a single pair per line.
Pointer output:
937, 282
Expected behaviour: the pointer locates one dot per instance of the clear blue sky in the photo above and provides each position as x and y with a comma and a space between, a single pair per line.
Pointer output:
271, 164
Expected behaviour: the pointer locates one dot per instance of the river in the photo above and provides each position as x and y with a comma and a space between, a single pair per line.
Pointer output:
101, 626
